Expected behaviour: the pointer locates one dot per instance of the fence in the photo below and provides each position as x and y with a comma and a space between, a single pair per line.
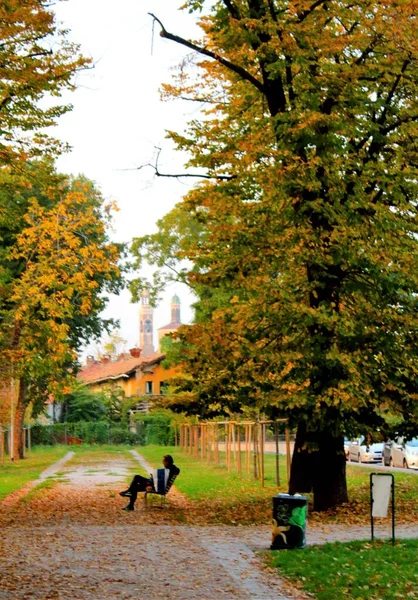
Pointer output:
6, 441
240, 445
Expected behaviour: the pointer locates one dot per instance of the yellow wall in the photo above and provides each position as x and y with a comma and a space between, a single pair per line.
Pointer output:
154, 374
136, 385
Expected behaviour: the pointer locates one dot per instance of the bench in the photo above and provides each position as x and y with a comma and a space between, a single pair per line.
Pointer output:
162, 494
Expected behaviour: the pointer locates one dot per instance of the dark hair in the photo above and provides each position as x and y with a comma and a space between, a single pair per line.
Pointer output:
169, 459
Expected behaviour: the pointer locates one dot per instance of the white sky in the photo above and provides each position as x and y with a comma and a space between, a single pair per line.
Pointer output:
118, 119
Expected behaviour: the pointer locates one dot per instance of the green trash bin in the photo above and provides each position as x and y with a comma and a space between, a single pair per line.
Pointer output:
289, 521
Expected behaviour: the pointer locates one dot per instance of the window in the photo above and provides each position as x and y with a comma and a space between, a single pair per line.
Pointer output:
148, 326
148, 387
163, 387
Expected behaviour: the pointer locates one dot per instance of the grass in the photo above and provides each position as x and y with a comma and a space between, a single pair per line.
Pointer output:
14, 475
201, 481
354, 570
217, 482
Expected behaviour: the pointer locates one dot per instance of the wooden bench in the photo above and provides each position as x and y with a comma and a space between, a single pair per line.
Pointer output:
163, 494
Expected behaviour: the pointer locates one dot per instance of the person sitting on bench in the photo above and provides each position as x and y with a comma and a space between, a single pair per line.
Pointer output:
147, 484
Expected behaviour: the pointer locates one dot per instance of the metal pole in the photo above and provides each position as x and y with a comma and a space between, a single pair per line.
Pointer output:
371, 507
393, 510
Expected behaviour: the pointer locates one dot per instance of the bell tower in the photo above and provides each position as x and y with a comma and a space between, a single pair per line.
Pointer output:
146, 325
175, 309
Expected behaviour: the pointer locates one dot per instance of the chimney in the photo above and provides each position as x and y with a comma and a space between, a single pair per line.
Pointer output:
105, 359
90, 360
135, 352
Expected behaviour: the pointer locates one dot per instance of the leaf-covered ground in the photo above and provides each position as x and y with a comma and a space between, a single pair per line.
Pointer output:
68, 539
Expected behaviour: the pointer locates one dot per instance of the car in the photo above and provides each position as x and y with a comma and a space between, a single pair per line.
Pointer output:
404, 454
346, 447
360, 451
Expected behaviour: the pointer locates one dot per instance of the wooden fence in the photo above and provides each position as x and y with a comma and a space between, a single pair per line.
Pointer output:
242, 445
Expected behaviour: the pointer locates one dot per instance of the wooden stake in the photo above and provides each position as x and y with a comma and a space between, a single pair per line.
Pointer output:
276, 439
228, 446
239, 448
234, 446
216, 444
288, 454
262, 436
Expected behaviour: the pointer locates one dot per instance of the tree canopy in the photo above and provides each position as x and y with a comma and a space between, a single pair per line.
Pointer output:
303, 242
57, 265
37, 62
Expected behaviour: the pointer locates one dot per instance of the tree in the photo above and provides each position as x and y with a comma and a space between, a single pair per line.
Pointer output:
82, 404
36, 62
56, 268
306, 267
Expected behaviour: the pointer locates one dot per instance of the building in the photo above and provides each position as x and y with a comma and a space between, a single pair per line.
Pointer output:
146, 325
174, 323
141, 373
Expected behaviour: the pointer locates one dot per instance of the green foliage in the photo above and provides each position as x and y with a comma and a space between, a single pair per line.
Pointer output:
37, 60
86, 432
303, 245
56, 265
157, 427
85, 405
352, 570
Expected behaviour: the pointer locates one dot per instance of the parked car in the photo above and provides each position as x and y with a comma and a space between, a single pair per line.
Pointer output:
404, 454
346, 447
360, 451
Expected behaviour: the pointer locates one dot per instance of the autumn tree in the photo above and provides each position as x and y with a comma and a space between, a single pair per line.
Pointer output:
36, 62
306, 265
56, 267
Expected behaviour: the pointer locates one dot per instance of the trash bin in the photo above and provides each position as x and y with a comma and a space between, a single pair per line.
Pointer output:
289, 521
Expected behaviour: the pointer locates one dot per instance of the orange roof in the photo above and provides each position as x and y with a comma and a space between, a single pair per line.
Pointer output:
104, 371
171, 326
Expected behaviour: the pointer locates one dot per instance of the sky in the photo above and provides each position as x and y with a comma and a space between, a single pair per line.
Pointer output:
118, 119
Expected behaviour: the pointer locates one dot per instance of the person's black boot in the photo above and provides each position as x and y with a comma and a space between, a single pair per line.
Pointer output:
125, 494
128, 508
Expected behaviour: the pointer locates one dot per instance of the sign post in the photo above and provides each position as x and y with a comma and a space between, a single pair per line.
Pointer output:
382, 488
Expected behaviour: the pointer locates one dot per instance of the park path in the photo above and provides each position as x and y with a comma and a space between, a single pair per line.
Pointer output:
73, 542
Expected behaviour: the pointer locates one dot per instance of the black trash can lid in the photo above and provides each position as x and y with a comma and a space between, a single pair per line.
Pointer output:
296, 496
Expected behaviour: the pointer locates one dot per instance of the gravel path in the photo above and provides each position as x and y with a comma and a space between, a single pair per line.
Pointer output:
74, 543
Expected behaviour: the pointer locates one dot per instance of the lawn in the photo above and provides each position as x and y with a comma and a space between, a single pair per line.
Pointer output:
14, 475
354, 570
211, 486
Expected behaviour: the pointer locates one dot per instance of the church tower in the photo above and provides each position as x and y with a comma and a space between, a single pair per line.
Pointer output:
146, 325
175, 309
175, 320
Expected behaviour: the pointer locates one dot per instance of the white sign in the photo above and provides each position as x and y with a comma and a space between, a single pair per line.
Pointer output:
381, 491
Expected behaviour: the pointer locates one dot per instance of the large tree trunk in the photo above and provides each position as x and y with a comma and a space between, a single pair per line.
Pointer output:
321, 471
329, 484
301, 470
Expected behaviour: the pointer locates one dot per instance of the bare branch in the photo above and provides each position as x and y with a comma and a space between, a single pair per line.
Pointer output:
179, 175
201, 50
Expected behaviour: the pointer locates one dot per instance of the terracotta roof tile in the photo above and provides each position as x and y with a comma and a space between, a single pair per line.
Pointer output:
171, 326
115, 370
